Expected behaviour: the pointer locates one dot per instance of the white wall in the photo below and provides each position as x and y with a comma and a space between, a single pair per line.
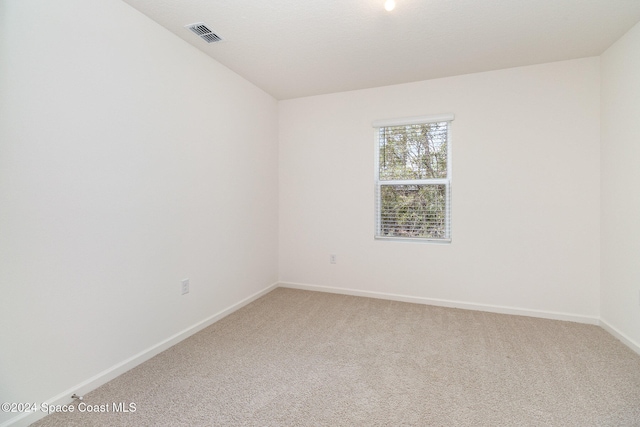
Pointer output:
525, 191
620, 282
128, 160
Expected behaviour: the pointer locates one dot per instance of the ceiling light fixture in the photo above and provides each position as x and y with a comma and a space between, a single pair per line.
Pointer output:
389, 5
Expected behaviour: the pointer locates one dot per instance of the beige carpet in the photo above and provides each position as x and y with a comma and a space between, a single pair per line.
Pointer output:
299, 358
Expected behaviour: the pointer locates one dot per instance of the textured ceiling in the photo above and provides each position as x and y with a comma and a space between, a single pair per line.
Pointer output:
295, 48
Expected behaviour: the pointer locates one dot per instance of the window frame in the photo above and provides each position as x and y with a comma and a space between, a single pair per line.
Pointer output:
377, 125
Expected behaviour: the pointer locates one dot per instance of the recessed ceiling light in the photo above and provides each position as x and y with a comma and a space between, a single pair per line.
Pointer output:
389, 5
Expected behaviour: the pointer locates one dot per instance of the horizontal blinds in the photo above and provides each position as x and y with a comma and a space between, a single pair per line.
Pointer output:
413, 187
414, 211
415, 151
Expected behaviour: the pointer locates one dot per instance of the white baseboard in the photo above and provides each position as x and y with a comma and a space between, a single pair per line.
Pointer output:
107, 375
619, 335
447, 303
120, 368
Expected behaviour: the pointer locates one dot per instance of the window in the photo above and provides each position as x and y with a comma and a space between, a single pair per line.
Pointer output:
413, 178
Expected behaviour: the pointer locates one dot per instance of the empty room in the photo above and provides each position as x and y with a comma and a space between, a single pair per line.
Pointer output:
319, 213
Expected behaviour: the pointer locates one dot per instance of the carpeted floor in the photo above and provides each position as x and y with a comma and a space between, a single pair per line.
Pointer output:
300, 358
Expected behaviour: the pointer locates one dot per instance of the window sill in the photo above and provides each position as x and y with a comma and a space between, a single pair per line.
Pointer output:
413, 240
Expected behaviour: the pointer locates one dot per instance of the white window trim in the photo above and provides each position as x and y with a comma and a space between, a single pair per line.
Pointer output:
413, 120
447, 181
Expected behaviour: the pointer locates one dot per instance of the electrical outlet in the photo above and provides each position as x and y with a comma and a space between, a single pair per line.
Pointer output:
332, 259
185, 286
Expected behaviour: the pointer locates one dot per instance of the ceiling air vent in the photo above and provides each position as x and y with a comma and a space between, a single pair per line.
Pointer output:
201, 29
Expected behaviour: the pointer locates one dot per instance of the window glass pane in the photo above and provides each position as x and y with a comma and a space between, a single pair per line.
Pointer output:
413, 151
413, 211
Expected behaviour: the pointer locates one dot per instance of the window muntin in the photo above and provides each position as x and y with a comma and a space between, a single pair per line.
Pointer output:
413, 179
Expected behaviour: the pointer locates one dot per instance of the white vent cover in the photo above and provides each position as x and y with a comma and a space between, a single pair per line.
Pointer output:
201, 29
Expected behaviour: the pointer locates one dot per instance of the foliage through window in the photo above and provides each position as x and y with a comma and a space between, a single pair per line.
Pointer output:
413, 178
